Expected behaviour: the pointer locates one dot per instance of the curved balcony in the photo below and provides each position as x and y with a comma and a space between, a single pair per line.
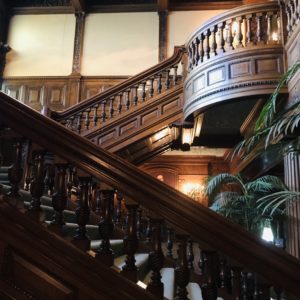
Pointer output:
236, 54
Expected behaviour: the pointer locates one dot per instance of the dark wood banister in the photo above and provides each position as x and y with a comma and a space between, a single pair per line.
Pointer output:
130, 82
203, 224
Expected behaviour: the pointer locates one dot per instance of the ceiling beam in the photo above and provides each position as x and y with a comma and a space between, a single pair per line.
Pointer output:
79, 5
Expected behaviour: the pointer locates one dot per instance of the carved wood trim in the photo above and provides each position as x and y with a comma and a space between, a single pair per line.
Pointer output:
52, 254
201, 223
135, 125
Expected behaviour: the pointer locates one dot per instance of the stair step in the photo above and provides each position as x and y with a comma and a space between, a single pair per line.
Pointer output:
168, 279
141, 263
4, 169
69, 229
194, 291
116, 245
3, 177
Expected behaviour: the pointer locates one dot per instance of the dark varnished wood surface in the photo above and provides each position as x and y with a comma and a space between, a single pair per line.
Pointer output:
203, 224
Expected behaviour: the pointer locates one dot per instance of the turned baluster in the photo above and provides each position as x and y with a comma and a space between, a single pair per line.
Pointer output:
209, 288
279, 29
103, 113
59, 198
248, 30
159, 85
135, 97
28, 177
111, 107
78, 126
221, 36
193, 54
197, 55
70, 181
207, 48
239, 34
175, 76
229, 38
119, 209
120, 103
82, 212
105, 253
156, 260
223, 282
289, 20
170, 237
244, 287
201, 263
190, 254
259, 32
95, 118
15, 172
269, 27
37, 182
139, 224
87, 119
190, 58
151, 90
201, 39
236, 281
168, 81
127, 100
182, 274
49, 179
129, 270
143, 91
148, 231
213, 31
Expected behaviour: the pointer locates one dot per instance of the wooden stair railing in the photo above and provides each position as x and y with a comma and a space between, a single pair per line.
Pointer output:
85, 116
179, 210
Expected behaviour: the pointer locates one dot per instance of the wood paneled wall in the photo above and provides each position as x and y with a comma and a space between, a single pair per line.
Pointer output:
178, 170
55, 92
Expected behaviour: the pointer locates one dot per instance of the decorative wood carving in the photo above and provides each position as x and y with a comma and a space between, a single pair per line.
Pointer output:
57, 93
199, 222
237, 70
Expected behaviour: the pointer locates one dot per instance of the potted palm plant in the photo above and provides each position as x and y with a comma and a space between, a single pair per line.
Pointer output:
236, 199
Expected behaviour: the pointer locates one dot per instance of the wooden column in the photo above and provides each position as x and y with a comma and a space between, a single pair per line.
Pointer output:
75, 77
163, 28
4, 48
292, 180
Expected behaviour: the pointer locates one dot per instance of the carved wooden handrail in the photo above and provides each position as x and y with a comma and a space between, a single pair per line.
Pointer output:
124, 96
178, 209
239, 28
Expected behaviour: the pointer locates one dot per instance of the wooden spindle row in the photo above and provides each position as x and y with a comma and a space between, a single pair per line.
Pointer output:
238, 32
292, 10
217, 274
123, 101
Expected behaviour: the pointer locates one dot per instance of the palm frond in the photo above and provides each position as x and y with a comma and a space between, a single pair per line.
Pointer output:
275, 200
216, 183
266, 184
268, 111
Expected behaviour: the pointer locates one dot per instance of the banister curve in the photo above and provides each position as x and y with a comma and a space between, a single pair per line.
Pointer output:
175, 58
187, 215
232, 13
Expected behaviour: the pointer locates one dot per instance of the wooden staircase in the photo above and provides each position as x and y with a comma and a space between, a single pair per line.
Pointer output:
67, 264
132, 111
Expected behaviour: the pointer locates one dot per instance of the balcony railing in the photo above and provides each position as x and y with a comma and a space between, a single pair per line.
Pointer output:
235, 54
